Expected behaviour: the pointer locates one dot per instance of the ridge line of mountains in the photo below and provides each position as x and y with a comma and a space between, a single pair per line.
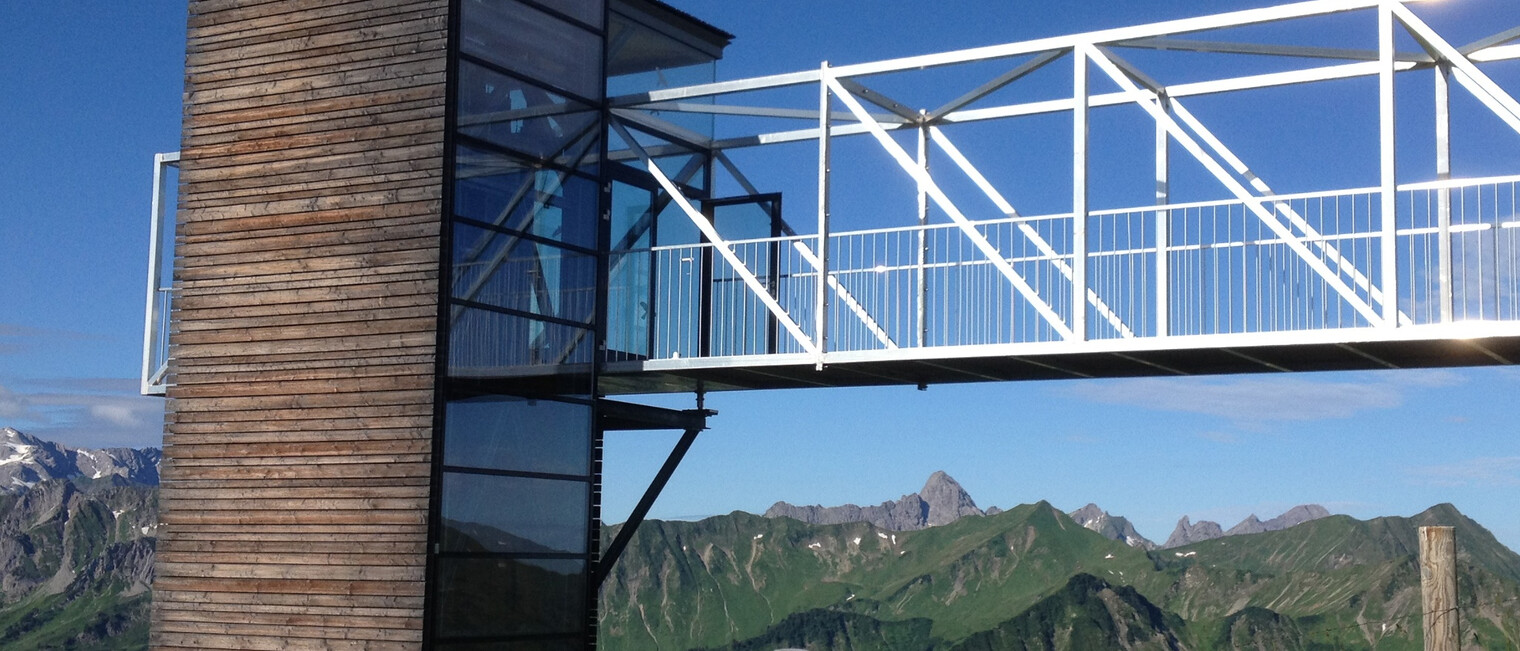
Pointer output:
932, 571
943, 500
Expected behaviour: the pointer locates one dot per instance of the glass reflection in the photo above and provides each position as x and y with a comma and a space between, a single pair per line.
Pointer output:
481, 597
523, 39
524, 117
501, 191
510, 433
494, 513
506, 270
485, 343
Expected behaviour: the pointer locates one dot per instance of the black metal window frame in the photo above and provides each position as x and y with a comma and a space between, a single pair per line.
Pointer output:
448, 388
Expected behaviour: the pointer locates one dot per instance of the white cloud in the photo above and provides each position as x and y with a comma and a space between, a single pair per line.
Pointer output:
1482, 471
87, 412
12, 406
1261, 399
119, 415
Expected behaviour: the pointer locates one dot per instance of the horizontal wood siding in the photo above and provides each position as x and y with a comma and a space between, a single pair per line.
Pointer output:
298, 442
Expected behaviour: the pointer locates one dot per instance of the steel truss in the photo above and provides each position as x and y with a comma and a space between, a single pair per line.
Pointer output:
1428, 258
1354, 273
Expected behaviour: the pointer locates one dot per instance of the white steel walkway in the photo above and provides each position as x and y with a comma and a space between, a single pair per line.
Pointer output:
1203, 266
1412, 270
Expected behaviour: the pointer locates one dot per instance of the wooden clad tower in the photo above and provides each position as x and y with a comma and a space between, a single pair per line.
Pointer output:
391, 268
299, 436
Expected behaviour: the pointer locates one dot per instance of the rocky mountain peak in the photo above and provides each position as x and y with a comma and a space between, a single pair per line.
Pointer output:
1296, 516
945, 501
941, 501
1088, 514
1251, 524
1112, 527
26, 460
1187, 533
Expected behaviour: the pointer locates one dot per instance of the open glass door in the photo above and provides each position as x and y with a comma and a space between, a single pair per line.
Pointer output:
736, 320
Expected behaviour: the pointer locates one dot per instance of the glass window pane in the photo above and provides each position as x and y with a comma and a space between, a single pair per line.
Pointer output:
488, 344
506, 270
629, 305
562, 644
510, 433
512, 113
480, 597
550, 204
520, 38
586, 11
491, 513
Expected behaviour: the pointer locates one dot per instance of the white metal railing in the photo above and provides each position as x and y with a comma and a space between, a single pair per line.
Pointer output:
1226, 273
160, 295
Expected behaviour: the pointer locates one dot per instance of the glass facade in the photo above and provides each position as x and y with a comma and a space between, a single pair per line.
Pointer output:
515, 521
538, 217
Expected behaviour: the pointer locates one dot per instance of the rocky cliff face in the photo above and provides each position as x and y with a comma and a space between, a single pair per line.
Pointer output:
1112, 527
77, 540
940, 502
1187, 533
27, 460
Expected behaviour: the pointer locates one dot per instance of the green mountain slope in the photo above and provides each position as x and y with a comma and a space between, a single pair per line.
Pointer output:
708, 583
76, 563
1087, 613
1331, 583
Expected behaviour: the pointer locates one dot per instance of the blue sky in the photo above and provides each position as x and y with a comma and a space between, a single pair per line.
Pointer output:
91, 92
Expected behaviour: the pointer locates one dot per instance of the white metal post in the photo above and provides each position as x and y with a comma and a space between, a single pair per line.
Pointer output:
1079, 196
1443, 195
923, 239
1389, 168
152, 378
821, 316
1163, 226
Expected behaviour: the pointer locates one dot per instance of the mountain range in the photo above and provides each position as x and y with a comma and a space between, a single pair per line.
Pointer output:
28, 460
77, 540
943, 500
1033, 577
930, 571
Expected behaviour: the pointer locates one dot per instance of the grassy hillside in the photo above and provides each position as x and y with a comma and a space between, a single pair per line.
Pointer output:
740, 579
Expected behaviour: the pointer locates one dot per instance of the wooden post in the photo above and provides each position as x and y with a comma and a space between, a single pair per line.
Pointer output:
1438, 587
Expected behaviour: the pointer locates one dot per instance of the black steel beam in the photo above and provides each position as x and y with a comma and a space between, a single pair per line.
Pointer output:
610, 557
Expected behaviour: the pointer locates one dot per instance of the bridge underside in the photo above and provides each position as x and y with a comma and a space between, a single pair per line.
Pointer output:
1178, 357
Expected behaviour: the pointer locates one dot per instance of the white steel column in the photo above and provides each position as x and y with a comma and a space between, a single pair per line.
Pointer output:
821, 316
922, 325
1163, 226
1389, 168
1443, 195
153, 379
1079, 196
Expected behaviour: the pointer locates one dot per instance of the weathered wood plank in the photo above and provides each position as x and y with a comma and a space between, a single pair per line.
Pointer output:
255, 225
297, 469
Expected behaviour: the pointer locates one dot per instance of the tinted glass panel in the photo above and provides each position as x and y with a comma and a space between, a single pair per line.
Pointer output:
490, 513
517, 37
484, 344
586, 11
506, 270
549, 204
491, 597
512, 113
507, 433
565, 644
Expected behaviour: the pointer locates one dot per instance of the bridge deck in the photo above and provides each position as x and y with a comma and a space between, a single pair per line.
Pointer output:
1205, 355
